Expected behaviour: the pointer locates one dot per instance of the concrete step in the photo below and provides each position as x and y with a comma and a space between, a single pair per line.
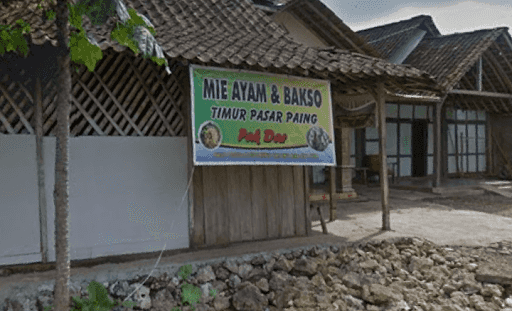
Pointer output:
498, 190
458, 191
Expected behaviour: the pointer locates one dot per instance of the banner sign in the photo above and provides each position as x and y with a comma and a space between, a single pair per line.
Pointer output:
251, 118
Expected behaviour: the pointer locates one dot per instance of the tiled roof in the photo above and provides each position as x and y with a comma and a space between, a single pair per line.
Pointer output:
227, 31
449, 57
381, 33
326, 24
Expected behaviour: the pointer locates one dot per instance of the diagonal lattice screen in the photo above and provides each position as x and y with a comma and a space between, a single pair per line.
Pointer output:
124, 96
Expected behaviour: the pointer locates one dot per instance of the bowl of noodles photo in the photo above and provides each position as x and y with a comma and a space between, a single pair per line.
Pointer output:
317, 138
210, 135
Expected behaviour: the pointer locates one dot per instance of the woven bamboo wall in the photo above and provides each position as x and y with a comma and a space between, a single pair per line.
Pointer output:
124, 96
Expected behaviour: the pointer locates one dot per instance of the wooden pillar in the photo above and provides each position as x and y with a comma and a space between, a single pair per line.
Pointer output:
194, 237
346, 171
307, 207
332, 194
384, 187
489, 154
43, 224
437, 143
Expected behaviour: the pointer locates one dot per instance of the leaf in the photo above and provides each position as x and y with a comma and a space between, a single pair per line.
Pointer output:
190, 294
185, 271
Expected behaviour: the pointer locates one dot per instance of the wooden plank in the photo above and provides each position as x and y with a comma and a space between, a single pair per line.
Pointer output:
307, 210
18, 111
234, 211
215, 205
285, 177
298, 189
198, 219
259, 204
6, 123
43, 224
322, 220
272, 199
239, 187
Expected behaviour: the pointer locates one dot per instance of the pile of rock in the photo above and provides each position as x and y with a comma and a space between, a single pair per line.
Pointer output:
400, 274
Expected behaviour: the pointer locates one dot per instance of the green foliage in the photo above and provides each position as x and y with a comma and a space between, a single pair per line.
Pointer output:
81, 50
190, 294
185, 271
11, 37
98, 300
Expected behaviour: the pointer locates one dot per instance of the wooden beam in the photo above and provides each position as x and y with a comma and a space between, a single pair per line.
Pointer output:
333, 27
497, 46
437, 142
332, 192
494, 70
381, 109
481, 93
43, 224
479, 75
494, 90
307, 209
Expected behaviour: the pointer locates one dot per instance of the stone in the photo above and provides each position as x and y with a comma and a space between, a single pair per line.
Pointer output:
438, 258
449, 288
381, 294
141, 296
353, 302
369, 264
234, 281
249, 297
232, 266
269, 266
352, 280
305, 267
278, 280
340, 305
258, 261
222, 273
221, 303
163, 301
283, 264
262, 284
244, 269
256, 274
318, 281
508, 301
305, 300
490, 290
420, 264
205, 274
494, 274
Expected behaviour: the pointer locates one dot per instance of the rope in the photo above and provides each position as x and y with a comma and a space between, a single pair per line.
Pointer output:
159, 257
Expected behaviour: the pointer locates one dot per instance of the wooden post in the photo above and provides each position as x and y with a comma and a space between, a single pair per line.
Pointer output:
43, 224
190, 168
479, 77
307, 208
384, 188
489, 149
437, 143
332, 193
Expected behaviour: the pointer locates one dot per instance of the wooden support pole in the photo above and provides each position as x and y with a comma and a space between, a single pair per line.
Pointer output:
43, 224
384, 188
307, 208
437, 143
332, 194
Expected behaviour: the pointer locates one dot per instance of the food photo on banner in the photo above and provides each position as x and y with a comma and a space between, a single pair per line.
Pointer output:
242, 117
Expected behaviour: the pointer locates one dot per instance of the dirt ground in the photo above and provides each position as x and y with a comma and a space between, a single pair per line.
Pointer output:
470, 220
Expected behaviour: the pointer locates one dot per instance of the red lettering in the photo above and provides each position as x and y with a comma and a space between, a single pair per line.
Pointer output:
269, 136
249, 136
280, 138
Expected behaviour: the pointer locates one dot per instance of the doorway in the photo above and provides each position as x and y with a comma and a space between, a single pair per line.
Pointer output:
419, 147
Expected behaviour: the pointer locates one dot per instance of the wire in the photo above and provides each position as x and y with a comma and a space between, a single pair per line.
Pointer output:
159, 257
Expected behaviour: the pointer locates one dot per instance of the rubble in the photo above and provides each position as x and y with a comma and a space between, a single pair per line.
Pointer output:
401, 274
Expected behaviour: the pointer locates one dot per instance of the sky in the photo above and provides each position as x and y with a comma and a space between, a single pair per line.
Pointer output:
450, 16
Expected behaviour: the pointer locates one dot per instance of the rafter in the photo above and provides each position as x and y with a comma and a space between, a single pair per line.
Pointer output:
503, 74
491, 66
494, 90
497, 46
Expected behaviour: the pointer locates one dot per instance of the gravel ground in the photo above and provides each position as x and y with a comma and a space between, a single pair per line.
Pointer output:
488, 203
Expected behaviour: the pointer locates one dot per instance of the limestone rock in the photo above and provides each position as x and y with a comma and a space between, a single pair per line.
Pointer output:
249, 297
205, 274
278, 280
352, 280
222, 273
263, 285
369, 264
221, 303
420, 263
381, 294
283, 264
163, 301
244, 269
305, 267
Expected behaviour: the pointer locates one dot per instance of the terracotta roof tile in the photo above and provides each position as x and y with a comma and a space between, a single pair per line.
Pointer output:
223, 31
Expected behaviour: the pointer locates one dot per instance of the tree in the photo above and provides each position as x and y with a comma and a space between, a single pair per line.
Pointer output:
76, 45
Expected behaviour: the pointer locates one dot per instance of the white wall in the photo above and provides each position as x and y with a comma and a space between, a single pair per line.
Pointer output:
19, 214
124, 196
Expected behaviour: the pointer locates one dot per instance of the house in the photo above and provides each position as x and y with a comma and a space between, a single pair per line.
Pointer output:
135, 180
475, 73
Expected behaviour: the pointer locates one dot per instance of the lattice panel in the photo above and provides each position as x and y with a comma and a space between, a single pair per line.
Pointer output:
124, 96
